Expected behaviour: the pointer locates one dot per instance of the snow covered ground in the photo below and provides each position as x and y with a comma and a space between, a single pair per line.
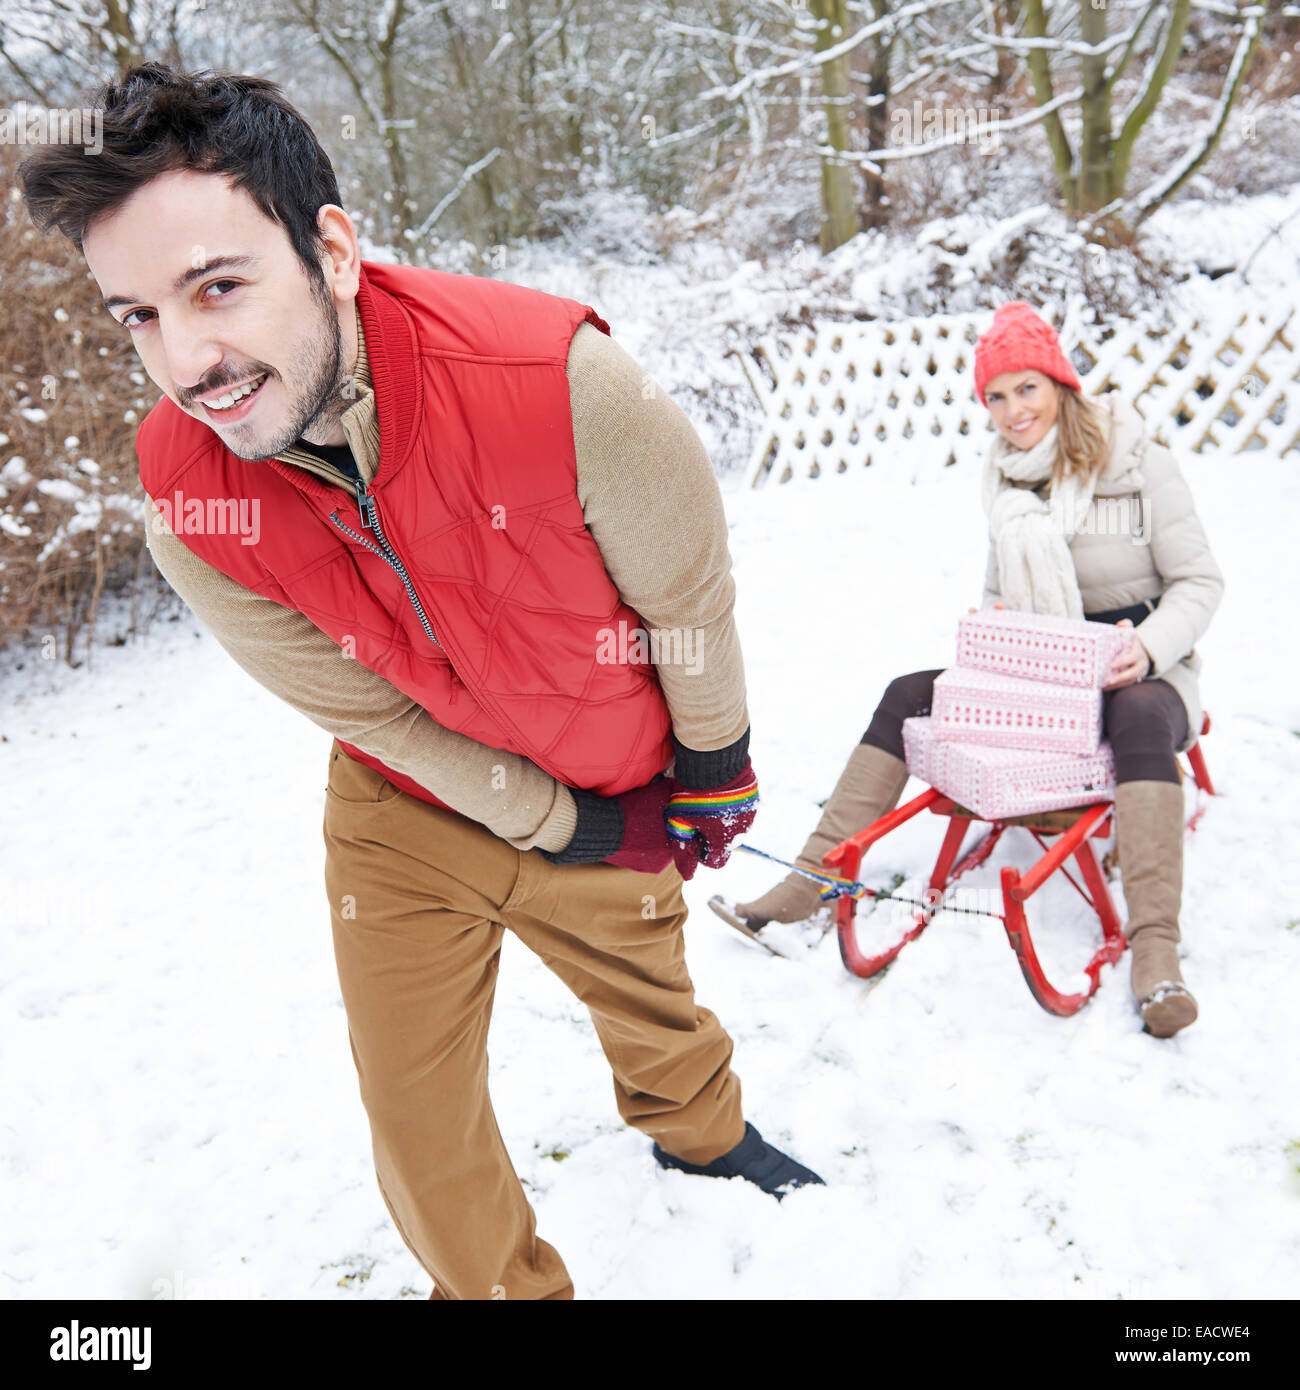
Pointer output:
178, 1106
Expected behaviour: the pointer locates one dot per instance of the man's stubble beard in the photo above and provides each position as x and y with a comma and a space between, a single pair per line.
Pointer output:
320, 405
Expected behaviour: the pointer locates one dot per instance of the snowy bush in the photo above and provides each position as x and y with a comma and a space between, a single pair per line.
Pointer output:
71, 507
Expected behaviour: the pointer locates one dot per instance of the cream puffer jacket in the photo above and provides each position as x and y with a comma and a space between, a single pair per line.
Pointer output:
1142, 540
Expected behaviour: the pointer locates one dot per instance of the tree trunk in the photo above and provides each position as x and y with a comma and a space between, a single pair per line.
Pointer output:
1005, 15
839, 222
1138, 116
400, 215
1093, 189
875, 204
118, 37
1040, 73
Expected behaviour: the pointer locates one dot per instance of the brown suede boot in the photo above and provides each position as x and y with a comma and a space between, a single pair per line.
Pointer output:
870, 785
1149, 830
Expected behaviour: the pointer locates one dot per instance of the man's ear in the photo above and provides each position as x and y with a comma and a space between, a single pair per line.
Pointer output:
341, 261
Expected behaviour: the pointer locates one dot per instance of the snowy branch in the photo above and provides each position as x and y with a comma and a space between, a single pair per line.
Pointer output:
1083, 50
1272, 232
696, 31
498, 48
827, 55
659, 142
555, 27
1151, 198
967, 136
466, 178
1145, 82
1126, 57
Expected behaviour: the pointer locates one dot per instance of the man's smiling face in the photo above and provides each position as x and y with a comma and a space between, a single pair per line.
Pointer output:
223, 313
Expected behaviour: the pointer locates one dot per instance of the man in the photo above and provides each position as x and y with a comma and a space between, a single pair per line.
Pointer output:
466, 520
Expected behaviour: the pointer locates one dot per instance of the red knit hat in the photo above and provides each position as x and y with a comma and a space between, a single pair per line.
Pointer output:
1020, 341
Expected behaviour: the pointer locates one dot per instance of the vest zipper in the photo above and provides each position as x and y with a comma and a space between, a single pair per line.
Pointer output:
370, 519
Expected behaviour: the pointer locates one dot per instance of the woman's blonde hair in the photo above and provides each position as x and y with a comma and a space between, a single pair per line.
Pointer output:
1082, 437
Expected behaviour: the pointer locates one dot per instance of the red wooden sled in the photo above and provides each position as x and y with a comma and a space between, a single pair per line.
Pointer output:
1075, 828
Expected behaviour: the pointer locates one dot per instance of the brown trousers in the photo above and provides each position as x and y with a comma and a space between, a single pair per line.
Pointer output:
419, 899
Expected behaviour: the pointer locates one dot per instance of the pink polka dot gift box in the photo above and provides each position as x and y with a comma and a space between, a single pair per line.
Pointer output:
1064, 651
997, 783
1007, 712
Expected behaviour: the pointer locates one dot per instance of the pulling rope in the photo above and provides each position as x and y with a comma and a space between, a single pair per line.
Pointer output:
837, 886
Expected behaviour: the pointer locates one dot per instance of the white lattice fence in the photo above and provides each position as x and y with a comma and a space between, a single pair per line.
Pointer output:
847, 395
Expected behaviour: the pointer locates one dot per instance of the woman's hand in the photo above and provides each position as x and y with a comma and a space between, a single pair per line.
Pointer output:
996, 605
1131, 666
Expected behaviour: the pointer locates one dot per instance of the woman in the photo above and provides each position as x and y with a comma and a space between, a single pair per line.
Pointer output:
1088, 518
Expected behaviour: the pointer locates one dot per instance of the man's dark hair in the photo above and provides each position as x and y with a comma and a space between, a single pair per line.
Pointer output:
156, 120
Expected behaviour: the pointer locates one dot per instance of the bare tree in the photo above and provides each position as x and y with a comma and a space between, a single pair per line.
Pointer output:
362, 46
1093, 173
56, 51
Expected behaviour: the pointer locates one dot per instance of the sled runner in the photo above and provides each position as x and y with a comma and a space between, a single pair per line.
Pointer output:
1075, 829
722, 908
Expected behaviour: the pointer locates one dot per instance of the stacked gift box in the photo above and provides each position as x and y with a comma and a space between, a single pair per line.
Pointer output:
1015, 726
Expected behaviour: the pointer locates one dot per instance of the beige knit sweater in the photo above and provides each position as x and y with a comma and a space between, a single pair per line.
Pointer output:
651, 502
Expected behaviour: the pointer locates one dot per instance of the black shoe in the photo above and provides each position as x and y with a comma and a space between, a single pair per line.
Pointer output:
753, 1159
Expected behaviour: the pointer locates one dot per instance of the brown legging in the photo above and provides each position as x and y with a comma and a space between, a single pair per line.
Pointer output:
1144, 724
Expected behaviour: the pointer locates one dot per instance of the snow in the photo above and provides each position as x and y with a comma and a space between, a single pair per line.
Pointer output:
686, 292
179, 1113
178, 1103
61, 488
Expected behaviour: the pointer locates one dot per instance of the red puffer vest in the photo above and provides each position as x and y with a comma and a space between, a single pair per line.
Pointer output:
472, 584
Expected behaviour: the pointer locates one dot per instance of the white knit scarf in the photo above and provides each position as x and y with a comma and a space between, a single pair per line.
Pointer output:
1035, 569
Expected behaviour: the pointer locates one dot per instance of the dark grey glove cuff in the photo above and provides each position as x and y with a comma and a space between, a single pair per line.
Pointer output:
713, 769
598, 834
